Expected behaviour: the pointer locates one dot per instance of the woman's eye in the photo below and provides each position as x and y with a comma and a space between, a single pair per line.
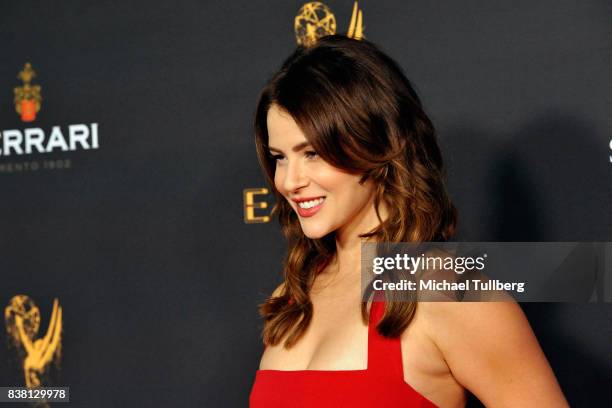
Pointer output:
310, 154
276, 157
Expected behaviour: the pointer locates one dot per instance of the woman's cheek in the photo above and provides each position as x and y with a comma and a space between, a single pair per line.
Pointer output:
278, 182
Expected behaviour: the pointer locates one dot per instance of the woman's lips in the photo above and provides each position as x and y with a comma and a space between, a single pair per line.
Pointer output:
309, 212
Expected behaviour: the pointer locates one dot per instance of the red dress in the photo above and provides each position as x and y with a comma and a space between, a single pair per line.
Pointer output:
380, 385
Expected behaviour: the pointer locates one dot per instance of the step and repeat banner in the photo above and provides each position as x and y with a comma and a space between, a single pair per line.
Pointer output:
136, 238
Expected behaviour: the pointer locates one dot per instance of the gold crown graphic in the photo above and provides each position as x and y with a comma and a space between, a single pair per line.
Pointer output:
27, 98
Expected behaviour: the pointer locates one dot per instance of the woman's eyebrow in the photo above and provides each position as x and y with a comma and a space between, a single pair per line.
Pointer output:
295, 148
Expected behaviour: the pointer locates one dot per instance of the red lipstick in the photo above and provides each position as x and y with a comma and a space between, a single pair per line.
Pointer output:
308, 212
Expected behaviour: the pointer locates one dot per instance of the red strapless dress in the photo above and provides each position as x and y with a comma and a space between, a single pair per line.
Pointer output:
380, 385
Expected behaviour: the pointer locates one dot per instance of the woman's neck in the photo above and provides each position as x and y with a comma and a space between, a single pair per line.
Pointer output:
348, 241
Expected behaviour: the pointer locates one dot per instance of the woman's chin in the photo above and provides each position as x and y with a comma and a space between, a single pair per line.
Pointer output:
314, 233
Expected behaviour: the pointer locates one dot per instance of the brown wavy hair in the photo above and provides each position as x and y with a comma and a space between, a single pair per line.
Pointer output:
361, 114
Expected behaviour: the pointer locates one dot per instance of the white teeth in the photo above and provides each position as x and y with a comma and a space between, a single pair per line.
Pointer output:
312, 203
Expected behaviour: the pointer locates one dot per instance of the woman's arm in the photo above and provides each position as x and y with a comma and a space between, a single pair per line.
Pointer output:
492, 351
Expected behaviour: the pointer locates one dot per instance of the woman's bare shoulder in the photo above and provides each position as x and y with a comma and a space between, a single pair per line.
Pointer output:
491, 349
458, 325
472, 314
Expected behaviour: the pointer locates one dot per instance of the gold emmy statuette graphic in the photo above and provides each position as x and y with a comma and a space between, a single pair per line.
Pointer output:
316, 20
27, 97
250, 205
22, 319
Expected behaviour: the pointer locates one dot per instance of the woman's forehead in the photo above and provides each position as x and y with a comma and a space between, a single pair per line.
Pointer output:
282, 129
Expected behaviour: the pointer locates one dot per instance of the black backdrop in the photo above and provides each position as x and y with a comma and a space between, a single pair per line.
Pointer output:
143, 239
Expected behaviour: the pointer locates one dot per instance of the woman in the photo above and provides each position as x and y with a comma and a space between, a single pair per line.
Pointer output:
352, 157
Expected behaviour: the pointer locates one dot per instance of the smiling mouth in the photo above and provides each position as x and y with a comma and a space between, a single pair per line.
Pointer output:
311, 207
312, 203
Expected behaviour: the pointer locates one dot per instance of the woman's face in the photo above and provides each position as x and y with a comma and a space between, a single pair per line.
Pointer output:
324, 197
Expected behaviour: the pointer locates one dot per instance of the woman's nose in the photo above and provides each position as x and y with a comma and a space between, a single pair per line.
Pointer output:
295, 176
